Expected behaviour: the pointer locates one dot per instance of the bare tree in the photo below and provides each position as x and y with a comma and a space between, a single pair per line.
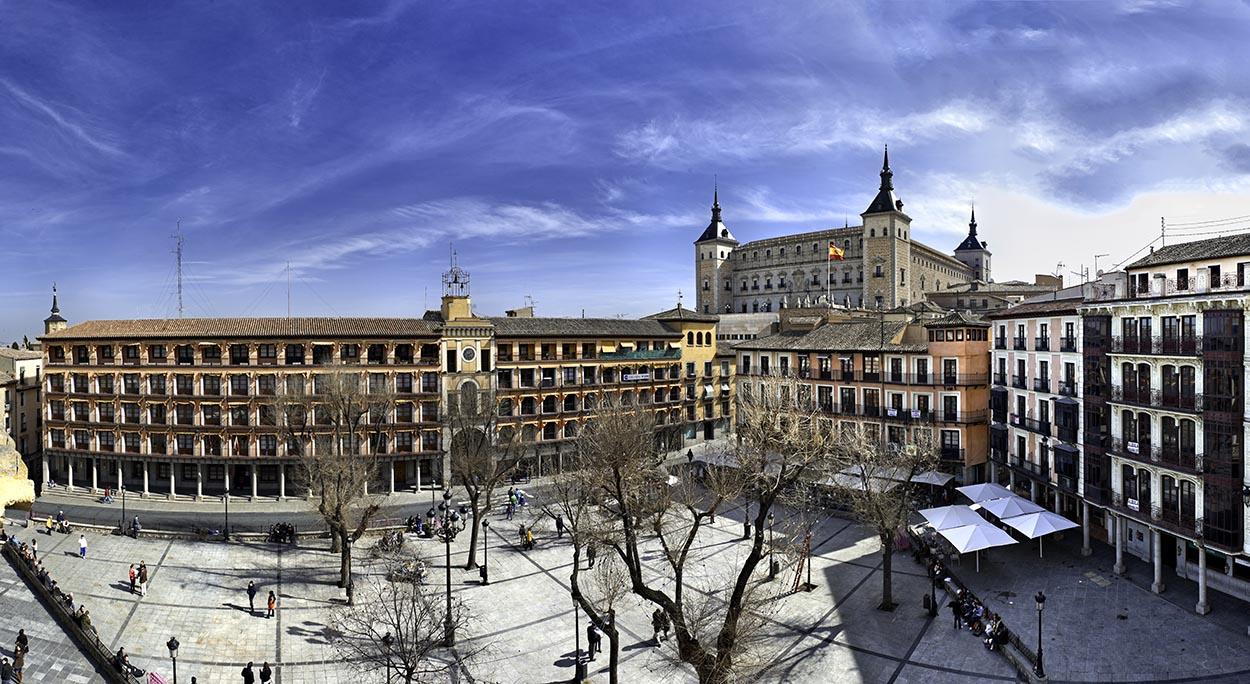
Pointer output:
482, 454
877, 484
781, 442
328, 426
398, 627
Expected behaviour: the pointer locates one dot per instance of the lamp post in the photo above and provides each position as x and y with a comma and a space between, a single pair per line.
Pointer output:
933, 578
772, 564
746, 520
172, 645
226, 498
579, 667
1038, 669
485, 550
121, 524
447, 531
387, 640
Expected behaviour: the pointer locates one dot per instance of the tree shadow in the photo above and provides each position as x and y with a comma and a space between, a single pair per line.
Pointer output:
645, 643
314, 633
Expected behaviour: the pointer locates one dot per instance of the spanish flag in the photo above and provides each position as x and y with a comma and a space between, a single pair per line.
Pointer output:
836, 253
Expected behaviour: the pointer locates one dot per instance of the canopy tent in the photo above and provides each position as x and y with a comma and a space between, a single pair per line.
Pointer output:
946, 517
1009, 506
984, 491
1038, 524
933, 477
976, 537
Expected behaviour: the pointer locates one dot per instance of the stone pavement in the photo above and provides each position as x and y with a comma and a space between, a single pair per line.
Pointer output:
53, 657
524, 619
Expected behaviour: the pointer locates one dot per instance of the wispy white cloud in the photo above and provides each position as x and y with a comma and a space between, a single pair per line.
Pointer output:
63, 122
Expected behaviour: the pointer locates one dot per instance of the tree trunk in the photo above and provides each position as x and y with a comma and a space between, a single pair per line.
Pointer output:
473, 531
345, 557
887, 588
614, 646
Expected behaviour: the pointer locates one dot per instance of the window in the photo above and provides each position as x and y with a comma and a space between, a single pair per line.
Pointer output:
1182, 279
878, 271
239, 355
267, 353
156, 353
294, 354
238, 385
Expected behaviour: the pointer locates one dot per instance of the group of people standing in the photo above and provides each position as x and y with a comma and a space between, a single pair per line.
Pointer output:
139, 578
11, 672
271, 602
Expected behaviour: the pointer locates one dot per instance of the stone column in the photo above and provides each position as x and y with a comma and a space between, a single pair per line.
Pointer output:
227, 470
1011, 480
1157, 540
1203, 607
173, 487
392, 473
95, 475
418, 474
199, 481
1085, 549
146, 467
47, 474
1118, 522
253, 468
1058, 503
993, 472
281, 482
69, 473
121, 484
1035, 490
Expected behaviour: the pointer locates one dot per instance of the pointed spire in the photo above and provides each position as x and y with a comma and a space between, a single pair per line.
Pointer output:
887, 176
55, 309
972, 224
715, 200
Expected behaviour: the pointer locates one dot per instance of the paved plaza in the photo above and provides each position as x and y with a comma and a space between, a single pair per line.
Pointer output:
1099, 627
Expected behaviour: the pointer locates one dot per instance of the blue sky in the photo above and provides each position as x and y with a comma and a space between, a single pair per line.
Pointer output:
568, 150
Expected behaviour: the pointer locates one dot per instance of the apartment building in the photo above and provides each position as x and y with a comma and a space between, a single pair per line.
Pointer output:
189, 407
1035, 400
1164, 385
899, 375
20, 371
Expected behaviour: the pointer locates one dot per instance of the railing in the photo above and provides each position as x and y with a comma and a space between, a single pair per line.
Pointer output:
1041, 344
1067, 389
1041, 385
1000, 342
1185, 345
1041, 427
1040, 470
1020, 344
1154, 398
1066, 433
948, 453
1138, 451
1000, 379
1067, 482
1067, 344
1200, 283
1018, 381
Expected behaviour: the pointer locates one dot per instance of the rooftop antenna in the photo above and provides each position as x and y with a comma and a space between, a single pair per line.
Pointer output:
1163, 232
530, 301
679, 299
1096, 258
177, 236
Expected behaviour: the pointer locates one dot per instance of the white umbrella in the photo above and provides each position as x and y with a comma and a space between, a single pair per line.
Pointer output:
984, 491
1036, 525
1010, 506
976, 537
946, 517
933, 477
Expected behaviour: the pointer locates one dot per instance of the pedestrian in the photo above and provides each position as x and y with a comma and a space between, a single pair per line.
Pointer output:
47, 522
249, 677
82, 546
135, 528
955, 612
592, 640
665, 624
657, 625
265, 673
19, 664
590, 555
559, 525
22, 643
521, 533
529, 538
273, 603
134, 575
143, 578
251, 596
6, 671
34, 548
509, 510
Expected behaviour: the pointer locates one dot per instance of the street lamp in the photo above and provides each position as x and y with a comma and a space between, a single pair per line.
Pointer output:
172, 645
121, 524
447, 531
387, 640
1041, 604
772, 564
226, 498
579, 668
485, 549
933, 579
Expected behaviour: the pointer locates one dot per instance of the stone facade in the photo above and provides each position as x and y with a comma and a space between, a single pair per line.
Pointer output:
882, 267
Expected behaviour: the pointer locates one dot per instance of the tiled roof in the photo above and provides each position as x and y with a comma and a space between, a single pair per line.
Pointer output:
681, 313
580, 327
1212, 248
959, 318
19, 354
1050, 307
246, 327
865, 335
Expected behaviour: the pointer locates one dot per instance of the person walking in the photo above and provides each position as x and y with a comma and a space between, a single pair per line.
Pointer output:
251, 596
22, 644
82, 546
590, 555
143, 578
19, 664
657, 625
593, 640
559, 525
6, 672
249, 677
955, 612
135, 528
529, 538
134, 575
265, 673
34, 549
272, 604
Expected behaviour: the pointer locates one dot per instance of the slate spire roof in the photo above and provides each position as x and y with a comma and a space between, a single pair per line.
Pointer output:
971, 242
716, 229
56, 310
885, 201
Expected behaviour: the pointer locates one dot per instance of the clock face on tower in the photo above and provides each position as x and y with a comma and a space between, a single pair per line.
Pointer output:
469, 353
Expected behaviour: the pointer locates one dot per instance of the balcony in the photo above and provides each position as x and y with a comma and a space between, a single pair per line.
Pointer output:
1173, 456
1020, 344
1000, 342
1041, 385
1041, 427
1066, 433
1067, 388
1037, 470
1170, 345
1182, 401
967, 417
951, 454
1096, 439
1041, 344
1137, 451
1153, 398
1067, 344
998, 456
1000, 379
1018, 381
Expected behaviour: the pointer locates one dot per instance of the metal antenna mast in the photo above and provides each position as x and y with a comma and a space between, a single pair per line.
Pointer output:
178, 257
